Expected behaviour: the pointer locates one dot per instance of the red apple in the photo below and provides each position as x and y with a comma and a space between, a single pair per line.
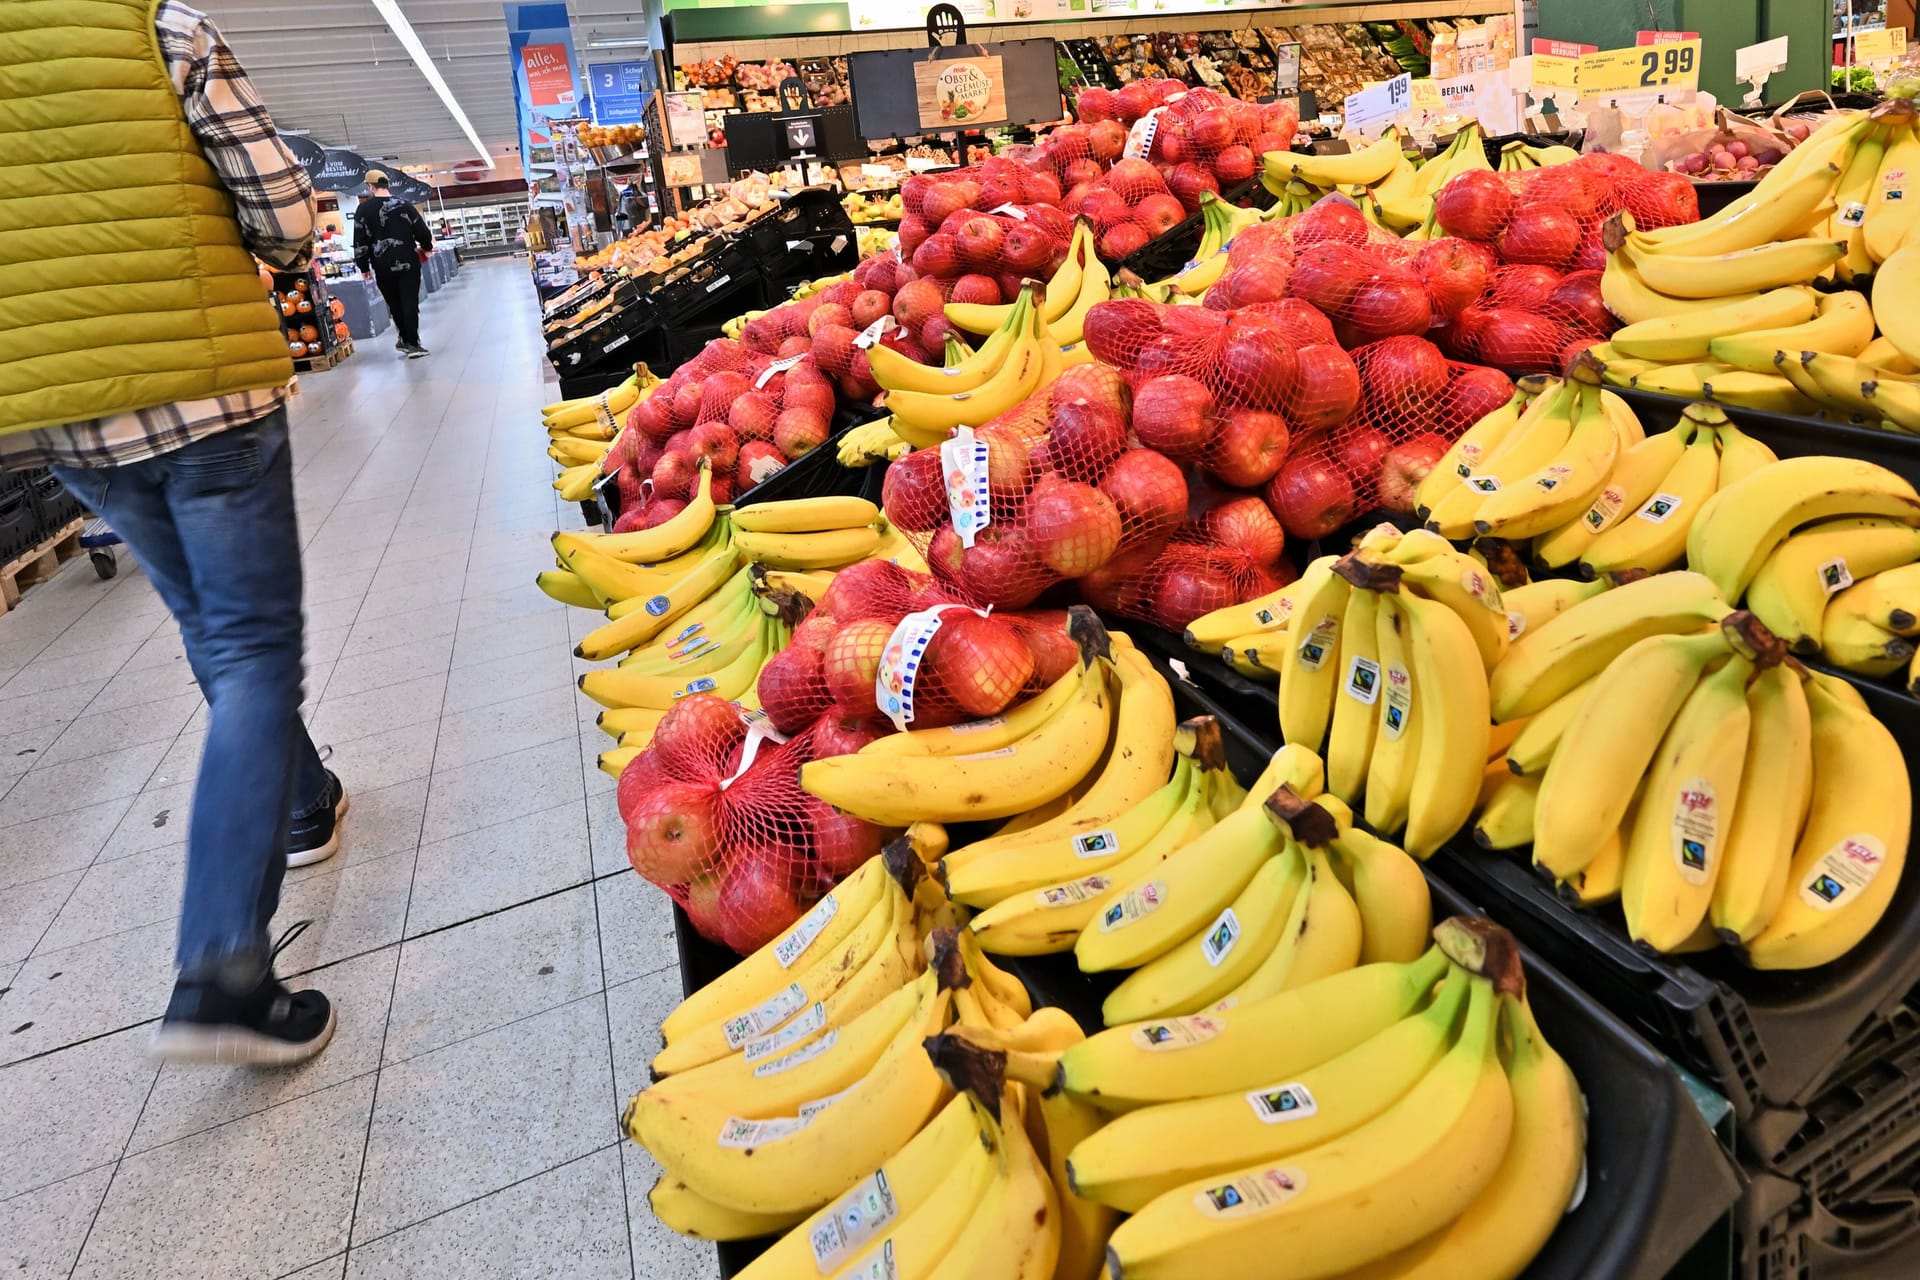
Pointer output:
672, 832
1249, 526
1073, 527
1150, 492
1311, 495
1174, 414
797, 432
1249, 449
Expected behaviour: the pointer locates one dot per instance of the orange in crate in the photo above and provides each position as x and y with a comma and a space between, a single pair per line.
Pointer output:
340, 333
286, 306
296, 346
304, 305
309, 333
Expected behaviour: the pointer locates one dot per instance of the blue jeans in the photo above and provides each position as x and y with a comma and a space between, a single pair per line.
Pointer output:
213, 526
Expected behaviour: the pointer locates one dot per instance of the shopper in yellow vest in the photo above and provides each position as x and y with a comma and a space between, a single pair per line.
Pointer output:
140, 358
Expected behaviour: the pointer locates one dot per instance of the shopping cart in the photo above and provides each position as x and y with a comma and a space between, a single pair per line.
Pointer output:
100, 540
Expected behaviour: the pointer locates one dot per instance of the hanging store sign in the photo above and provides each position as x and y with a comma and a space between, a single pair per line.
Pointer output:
961, 93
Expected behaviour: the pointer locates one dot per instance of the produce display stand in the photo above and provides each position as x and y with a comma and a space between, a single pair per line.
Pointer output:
1657, 1177
1792, 436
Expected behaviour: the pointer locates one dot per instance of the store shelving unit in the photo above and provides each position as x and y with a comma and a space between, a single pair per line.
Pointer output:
480, 229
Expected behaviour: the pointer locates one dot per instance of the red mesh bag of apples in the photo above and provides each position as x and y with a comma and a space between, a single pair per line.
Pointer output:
1212, 141
716, 817
1128, 206
1225, 557
983, 257
1541, 233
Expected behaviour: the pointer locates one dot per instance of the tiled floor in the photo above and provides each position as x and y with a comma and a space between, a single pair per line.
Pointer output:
498, 969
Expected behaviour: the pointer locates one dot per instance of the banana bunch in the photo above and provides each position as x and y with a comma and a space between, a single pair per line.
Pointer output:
1722, 309
1717, 791
1018, 358
1405, 198
1403, 1119
808, 534
1277, 891
1534, 464
1640, 518
1072, 291
1519, 157
871, 444
862, 207
1391, 190
1385, 662
1041, 885
1827, 563
1248, 637
581, 432
1113, 707
1220, 223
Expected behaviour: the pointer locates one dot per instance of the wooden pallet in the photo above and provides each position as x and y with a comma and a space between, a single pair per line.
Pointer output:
38, 563
325, 360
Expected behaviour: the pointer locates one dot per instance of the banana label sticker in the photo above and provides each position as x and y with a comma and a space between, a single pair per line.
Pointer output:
765, 1016
1852, 215
1096, 844
808, 1110
1363, 680
801, 936
879, 1267
786, 1037
851, 1221
658, 605
1393, 720
744, 1135
1659, 507
1605, 507
1319, 644
1480, 587
805, 1053
1135, 904
1551, 478
1176, 1033
1217, 943
1283, 1103
1484, 484
1835, 576
1252, 1193
1055, 896
1696, 830
1278, 611
1516, 623
1843, 872
978, 726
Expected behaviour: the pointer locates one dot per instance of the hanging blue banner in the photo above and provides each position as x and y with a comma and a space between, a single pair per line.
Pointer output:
619, 91
546, 83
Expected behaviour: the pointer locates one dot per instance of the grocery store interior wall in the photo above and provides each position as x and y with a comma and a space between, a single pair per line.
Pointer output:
333, 69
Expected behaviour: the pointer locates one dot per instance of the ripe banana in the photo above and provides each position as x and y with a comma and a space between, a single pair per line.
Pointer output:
1790, 591
1396, 747
1736, 532
805, 515
661, 610
668, 538
1654, 536
1540, 735
1390, 892
1537, 603
1272, 612
1310, 664
1893, 291
1689, 334
1355, 709
1635, 478
1371, 164
1850, 853
1775, 788
1842, 324
1453, 742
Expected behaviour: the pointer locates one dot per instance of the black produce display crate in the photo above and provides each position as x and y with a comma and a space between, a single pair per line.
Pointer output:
1657, 1179
809, 236
19, 517
53, 507
1843, 1201
1791, 436
593, 381
1769, 1041
1171, 251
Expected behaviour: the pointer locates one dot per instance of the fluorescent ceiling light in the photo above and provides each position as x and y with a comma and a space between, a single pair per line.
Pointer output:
403, 31
597, 41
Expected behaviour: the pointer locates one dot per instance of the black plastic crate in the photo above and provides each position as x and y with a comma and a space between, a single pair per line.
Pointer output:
1171, 251
1842, 1198
19, 521
54, 507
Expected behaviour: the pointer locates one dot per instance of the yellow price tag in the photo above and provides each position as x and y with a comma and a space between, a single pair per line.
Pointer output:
1550, 72
1880, 46
1657, 67
1426, 95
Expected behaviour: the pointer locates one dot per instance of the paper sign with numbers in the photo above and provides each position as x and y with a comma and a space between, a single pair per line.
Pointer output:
1880, 46
1426, 94
1373, 109
1553, 72
1661, 67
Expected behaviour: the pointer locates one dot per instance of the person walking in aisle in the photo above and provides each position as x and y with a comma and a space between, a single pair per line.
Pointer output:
147, 368
390, 240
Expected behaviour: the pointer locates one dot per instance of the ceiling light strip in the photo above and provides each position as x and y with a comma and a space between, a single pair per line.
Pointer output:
403, 31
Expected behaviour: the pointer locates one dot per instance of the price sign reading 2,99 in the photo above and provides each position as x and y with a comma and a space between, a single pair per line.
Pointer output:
1660, 67
1663, 66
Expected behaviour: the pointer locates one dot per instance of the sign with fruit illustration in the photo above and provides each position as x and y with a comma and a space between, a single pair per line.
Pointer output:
961, 93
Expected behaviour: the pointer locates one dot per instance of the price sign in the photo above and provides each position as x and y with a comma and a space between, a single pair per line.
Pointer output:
1674, 66
1426, 94
1880, 46
1663, 37
1553, 72
1373, 108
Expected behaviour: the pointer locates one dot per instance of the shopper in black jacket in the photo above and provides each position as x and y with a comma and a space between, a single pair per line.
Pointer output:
390, 239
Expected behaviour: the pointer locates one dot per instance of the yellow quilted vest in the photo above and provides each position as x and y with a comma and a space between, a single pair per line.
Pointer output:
124, 282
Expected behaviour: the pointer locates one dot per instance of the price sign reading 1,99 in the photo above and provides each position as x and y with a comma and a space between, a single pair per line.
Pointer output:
1663, 67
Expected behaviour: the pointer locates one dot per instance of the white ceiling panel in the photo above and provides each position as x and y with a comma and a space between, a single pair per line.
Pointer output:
332, 69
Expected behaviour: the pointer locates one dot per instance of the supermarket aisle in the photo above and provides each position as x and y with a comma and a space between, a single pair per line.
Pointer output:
497, 967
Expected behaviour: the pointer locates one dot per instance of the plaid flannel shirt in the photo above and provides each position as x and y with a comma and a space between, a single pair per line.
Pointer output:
274, 200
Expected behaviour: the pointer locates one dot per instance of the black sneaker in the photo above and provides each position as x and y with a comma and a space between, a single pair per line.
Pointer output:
414, 353
266, 1027
316, 837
